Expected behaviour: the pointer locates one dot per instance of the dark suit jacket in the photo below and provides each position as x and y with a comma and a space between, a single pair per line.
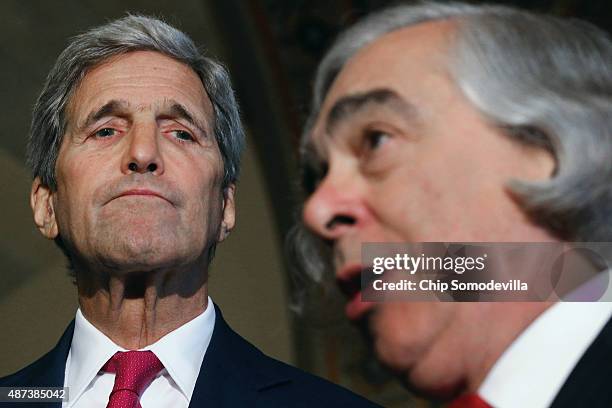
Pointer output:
590, 382
233, 374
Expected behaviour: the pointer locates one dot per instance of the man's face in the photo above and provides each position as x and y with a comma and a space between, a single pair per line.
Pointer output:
139, 172
408, 159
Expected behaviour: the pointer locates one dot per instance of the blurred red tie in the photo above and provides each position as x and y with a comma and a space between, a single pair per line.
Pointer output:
469, 401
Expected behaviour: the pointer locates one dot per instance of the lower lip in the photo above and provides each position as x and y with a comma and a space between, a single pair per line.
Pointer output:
356, 308
142, 195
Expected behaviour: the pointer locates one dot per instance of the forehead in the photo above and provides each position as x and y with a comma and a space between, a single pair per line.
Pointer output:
143, 79
411, 62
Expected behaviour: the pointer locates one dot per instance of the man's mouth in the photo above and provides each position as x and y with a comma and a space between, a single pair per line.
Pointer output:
349, 281
142, 192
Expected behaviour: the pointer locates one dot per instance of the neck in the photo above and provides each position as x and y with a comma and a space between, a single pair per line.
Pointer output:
138, 308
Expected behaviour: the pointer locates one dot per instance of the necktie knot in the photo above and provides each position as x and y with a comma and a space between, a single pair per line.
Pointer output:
134, 371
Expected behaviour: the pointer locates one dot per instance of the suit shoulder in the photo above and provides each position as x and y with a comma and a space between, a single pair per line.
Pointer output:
312, 390
274, 383
24, 376
48, 370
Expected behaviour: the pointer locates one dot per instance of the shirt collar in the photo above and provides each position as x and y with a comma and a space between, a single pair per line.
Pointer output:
180, 351
544, 355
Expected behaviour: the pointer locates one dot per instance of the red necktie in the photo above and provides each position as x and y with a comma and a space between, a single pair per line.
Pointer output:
134, 371
469, 401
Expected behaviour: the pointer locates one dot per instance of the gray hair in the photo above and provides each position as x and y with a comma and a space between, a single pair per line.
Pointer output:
130, 33
542, 80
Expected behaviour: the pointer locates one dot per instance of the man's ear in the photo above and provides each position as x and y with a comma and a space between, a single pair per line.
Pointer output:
229, 212
41, 201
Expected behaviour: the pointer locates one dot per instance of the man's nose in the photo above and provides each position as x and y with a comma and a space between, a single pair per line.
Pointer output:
143, 154
335, 208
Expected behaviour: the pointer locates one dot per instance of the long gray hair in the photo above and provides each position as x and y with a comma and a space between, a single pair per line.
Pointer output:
130, 33
543, 80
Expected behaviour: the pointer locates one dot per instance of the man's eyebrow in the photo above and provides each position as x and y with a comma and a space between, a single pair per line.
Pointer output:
112, 108
350, 105
116, 107
178, 110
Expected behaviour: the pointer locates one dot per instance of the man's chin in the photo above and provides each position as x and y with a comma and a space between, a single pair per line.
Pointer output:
365, 325
135, 250
133, 260
433, 390
408, 372
424, 386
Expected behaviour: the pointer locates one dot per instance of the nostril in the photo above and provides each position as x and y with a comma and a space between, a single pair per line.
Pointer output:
152, 167
133, 166
340, 220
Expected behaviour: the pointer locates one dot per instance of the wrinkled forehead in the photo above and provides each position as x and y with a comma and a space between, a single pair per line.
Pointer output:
393, 62
144, 79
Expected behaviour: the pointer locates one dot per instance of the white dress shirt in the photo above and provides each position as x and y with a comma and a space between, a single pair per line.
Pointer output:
180, 351
533, 369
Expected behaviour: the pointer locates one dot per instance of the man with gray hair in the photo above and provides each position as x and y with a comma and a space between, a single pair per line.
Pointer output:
135, 150
448, 122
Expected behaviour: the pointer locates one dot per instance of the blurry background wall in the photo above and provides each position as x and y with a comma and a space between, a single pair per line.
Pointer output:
271, 48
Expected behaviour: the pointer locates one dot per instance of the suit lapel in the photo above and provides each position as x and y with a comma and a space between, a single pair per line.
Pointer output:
233, 371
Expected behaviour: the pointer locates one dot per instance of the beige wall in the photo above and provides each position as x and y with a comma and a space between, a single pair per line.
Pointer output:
36, 297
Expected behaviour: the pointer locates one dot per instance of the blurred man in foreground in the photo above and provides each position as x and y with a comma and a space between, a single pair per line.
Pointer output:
135, 149
446, 122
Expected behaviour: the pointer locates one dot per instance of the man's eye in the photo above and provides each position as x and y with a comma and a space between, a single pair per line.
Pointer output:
375, 138
183, 135
106, 132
